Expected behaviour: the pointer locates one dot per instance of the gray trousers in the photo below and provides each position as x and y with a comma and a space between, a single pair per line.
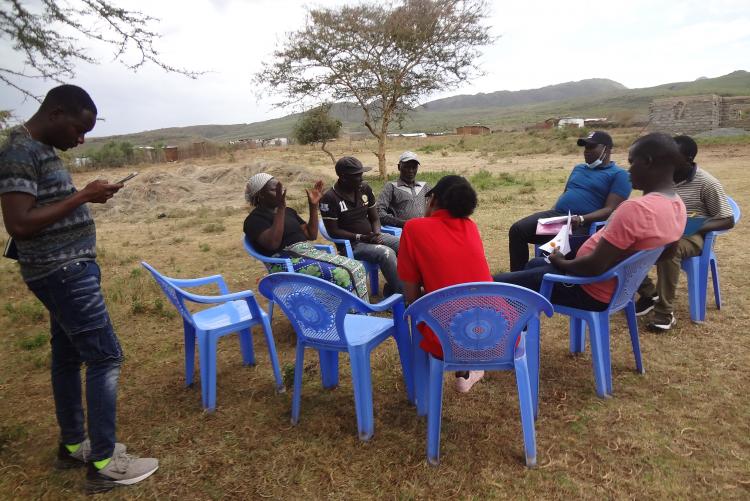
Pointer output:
384, 255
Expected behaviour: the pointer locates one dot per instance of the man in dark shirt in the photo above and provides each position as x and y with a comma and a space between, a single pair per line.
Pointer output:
56, 237
348, 211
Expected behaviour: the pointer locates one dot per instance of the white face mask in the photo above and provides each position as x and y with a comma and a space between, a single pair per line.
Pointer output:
596, 163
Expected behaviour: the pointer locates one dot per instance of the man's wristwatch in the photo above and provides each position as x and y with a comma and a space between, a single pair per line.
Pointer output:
580, 220
357, 237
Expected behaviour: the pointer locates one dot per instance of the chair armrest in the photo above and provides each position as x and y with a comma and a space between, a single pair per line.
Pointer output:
326, 248
391, 230
596, 226
224, 298
546, 288
197, 282
386, 304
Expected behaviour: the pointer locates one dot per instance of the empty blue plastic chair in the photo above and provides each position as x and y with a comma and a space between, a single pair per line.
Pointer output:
629, 274
372, 268
697, 272
283, 261
391, 230
481, 326
235, 312
321, 315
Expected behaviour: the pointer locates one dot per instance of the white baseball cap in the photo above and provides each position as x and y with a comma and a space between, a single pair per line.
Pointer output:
408, 156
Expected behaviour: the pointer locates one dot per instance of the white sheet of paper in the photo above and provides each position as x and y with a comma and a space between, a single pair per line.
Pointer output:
552, 220
561, 242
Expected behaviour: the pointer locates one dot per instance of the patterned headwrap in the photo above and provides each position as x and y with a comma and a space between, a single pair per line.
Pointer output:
255, 184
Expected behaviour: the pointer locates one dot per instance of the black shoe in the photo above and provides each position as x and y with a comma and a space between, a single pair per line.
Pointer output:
661, 322
645, 304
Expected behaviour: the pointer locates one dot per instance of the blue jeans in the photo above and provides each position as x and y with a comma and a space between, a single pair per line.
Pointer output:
82, 333
384, 255
563, 294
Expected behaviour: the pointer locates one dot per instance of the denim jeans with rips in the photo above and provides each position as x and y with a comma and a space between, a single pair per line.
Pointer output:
82, 333
385, 256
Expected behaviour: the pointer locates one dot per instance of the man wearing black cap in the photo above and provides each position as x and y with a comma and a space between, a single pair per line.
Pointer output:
348, 211
594, 189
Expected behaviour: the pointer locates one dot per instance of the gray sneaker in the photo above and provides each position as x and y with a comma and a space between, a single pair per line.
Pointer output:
67, 460
123, 469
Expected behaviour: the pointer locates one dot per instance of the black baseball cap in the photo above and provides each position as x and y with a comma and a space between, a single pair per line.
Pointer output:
596, 137
445, 183
350, 165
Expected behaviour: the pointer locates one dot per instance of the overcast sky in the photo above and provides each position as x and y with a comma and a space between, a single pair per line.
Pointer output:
638, 43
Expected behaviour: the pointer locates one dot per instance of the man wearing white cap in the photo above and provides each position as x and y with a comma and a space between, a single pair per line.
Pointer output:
404, 198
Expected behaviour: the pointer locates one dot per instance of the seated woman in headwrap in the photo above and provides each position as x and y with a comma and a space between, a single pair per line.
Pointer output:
276, 230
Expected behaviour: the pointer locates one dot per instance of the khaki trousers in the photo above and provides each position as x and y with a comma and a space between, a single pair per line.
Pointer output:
668, 274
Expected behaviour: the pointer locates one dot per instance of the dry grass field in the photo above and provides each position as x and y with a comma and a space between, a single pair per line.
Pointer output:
682, 430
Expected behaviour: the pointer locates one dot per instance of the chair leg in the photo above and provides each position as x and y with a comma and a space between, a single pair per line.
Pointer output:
299, 367
329, 368
204, 366
633, 328
362, 383
270, 309
211, 343
434, 414
271, 344
189, 354
246, 347
577, 335
525, 401
597, 353
533, 361
692, 268
421, 370
403, 343
715, 277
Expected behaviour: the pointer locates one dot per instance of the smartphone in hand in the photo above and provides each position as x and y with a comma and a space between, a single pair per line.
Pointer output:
127, 178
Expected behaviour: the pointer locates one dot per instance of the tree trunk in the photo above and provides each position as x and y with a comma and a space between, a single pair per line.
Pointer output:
323, 147
381, 156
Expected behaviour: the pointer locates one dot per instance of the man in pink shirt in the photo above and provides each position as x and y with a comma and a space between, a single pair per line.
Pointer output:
653, 220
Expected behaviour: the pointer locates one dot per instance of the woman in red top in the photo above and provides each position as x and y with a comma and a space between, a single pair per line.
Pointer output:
443, 248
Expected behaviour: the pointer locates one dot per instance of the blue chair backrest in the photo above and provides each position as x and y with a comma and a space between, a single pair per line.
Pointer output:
173, 293
735, 209
315, 308
480, 321
630, 273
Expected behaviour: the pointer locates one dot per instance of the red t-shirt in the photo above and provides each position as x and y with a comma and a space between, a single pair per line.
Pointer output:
637, 224
440, 251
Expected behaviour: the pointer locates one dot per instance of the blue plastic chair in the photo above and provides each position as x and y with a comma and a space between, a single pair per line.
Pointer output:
629, 274
372, 268
286, 262
391, 230
320, 314
481, 326
697, 271
236, 312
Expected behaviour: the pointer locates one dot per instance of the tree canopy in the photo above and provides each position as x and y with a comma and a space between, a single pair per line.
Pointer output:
386, 57
317, 126
50, 36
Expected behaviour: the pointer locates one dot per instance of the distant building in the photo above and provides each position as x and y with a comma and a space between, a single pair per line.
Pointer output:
171, 153
570, 122
82, 162
407, 134
695, 114
473, 130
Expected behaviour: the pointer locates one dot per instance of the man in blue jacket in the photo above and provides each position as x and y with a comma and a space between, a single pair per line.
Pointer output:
594, 189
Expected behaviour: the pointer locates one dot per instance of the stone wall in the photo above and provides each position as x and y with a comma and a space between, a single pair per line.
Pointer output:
695, 114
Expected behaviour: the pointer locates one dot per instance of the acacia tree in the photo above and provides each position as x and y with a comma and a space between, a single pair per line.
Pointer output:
383, 56
50, 35
318, 126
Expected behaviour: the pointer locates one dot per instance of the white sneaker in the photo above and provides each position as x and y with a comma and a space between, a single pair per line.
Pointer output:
464, 384
123, 469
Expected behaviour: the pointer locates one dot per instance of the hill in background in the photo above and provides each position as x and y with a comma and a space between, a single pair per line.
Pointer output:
503, 109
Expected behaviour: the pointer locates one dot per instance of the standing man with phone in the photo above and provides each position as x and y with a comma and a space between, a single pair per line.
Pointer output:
56, 238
